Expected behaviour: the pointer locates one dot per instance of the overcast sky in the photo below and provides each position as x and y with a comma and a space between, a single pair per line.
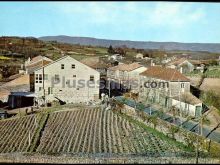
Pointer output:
138, 21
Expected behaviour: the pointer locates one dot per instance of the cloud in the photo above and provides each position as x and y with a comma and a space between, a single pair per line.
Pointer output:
151, 14
175, 14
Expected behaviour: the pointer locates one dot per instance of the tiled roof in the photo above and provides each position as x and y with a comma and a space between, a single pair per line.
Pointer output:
177, 62
164, 74
39, 58
94, 62
126, 67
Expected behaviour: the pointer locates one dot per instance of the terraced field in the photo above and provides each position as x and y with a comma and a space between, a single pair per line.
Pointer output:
16, 134
97, 131
81, 131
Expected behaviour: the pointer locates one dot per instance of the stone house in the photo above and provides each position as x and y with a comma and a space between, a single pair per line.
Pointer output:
126, 75
139, 56
32, 64
198, 65
115, 57
163, 86
182, 65
66, 80
97, 64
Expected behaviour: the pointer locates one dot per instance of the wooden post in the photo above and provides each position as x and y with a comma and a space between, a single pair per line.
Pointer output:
29, 138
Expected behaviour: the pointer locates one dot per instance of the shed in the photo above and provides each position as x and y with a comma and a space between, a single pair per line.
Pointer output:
21, 99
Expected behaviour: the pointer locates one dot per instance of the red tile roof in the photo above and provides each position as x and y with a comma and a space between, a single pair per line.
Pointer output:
177, 62
164, 74
39, 58
94, 62
126, 67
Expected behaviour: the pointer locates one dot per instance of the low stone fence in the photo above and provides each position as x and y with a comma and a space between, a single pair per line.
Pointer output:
179, 134
75, 159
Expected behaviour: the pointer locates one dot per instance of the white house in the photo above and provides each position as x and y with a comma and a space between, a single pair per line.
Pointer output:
32, 64
66, 80
115, 57
139, 56
188, 104
127, 74
165, 86
182, 65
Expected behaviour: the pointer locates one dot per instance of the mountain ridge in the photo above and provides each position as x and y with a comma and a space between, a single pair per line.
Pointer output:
210, 47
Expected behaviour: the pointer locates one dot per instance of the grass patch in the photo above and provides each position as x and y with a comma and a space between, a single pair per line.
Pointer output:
42, 120
214, 73
4, 58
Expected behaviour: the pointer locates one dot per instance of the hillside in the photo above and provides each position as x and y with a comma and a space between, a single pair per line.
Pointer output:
83, 131
210, 47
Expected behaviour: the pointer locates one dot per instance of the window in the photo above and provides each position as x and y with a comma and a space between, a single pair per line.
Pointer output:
40, 78
62, 66
36, 78
45, 76
40, 88
73, 66
74, 75
182, 85
50, 90
57, 78
77, 88
91, 78
185, 105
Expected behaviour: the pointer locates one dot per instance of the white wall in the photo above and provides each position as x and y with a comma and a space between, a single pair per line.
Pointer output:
61, 90
190, 109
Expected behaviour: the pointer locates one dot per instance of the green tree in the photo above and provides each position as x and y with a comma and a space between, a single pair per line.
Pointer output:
111, 50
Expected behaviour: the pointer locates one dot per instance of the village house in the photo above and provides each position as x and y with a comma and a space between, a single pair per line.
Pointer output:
66, 80
32, 64
97, 64
198, 65
126, 75
166, 86
115, 57
139, 56
168, 59
182, 65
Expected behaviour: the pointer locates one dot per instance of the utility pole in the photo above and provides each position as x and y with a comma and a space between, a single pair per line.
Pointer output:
109, 87
199, 133
180, 103
43, 82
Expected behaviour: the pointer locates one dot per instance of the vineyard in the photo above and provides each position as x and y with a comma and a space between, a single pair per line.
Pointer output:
98, 131
16, 134
81, 131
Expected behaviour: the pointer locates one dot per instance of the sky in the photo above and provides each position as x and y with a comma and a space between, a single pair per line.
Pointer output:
137, 21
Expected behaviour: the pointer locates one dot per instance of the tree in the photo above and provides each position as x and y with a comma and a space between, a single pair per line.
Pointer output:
111, 50
117, 105
134, 97
120, 51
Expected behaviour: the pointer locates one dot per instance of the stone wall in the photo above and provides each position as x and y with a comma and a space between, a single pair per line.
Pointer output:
182, 135
71, 159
